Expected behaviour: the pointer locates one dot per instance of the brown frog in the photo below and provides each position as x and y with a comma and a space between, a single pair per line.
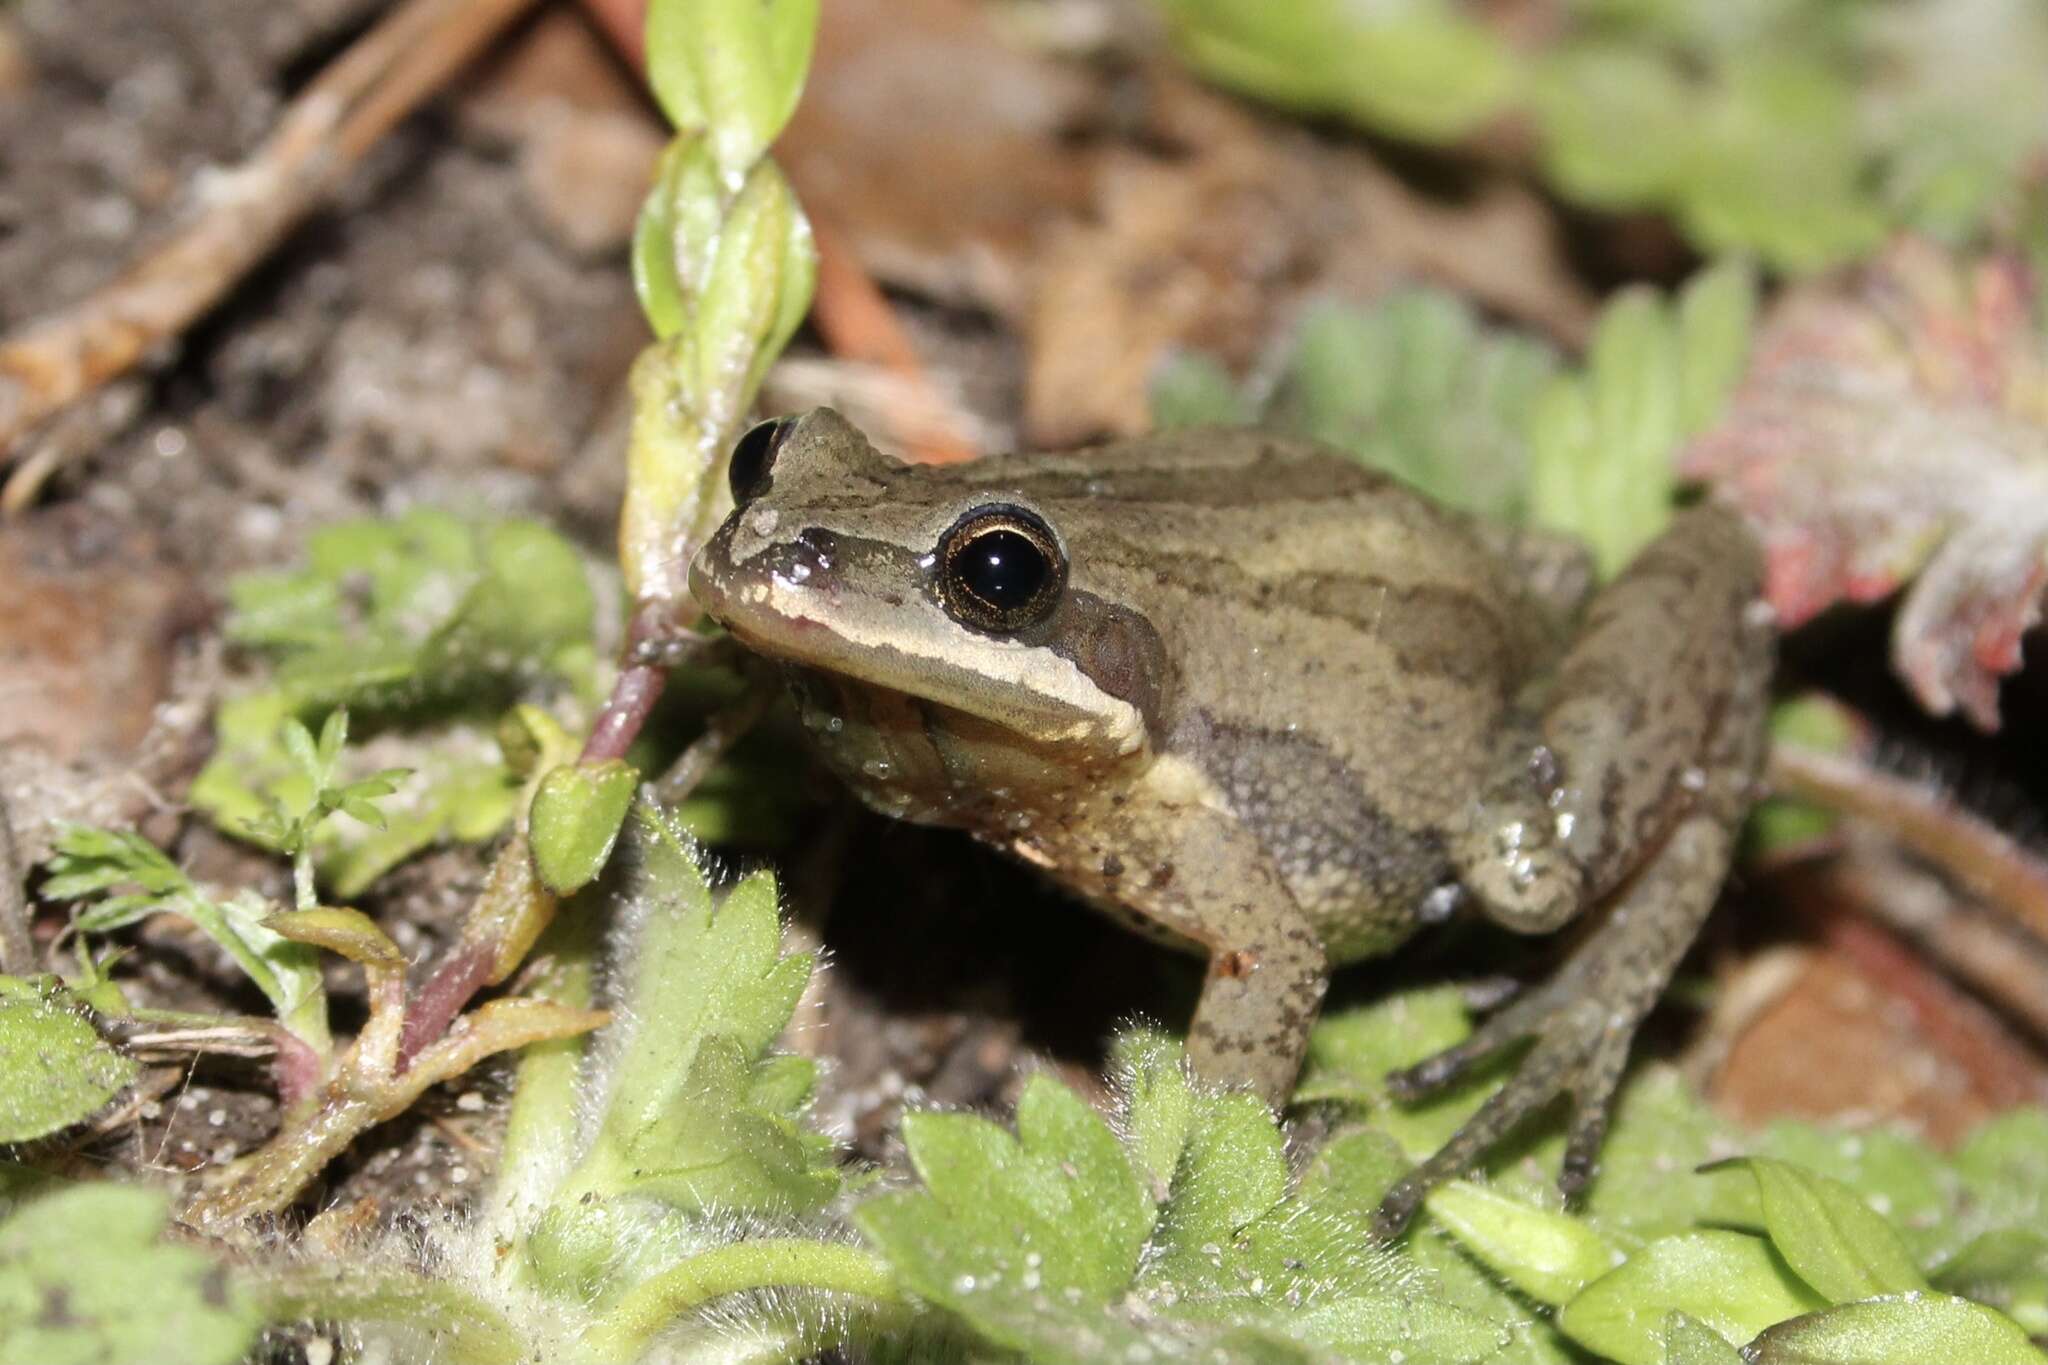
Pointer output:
1278, 709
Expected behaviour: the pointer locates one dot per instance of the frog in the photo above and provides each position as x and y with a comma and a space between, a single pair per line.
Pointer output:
1275, 707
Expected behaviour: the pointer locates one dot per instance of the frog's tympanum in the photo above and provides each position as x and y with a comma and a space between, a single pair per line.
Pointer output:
1279, 709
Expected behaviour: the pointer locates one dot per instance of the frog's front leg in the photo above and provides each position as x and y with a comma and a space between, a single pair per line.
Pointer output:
1628, 795
1212, 883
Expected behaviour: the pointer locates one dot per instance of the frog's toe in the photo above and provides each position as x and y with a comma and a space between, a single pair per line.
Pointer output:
1581, 1048
1521, 1018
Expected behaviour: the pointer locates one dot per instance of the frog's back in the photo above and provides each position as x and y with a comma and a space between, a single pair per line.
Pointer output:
1339, 648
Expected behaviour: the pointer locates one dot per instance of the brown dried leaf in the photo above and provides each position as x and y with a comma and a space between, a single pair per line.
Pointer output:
1217, 249
1893, 431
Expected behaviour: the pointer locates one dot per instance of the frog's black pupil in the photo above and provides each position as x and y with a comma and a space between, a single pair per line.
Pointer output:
1003, 568
753, 459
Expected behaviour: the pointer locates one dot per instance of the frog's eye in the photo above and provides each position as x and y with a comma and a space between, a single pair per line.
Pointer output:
753, 459
1001, 569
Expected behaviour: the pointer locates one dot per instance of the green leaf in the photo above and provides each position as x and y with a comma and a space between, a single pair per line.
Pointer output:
1232, 1171
1925, 1329
1418, 386
349, 933
727, 1140
577, 814
1688, 1341
1716, 318
85, 1280
1732, 1282
1548, 1256
55, 1070
1190, 389
1418, 68
88, 861
420, 612
1158, 1102
1828, 1234
1413, 384
732, 68
2006, 1268
1351, 1051
697, 1114
1056, 1208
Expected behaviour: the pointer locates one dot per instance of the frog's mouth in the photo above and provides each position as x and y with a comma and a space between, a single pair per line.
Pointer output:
784, 609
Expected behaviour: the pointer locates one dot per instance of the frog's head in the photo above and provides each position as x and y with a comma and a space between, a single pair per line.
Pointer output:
950, 587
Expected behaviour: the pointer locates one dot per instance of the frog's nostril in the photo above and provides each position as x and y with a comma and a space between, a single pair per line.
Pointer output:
811, 557
817, 546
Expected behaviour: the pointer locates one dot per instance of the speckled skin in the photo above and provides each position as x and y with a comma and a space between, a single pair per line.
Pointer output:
1286, 712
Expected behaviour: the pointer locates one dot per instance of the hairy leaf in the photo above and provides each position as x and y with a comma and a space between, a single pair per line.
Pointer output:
85, 1280
55, 1070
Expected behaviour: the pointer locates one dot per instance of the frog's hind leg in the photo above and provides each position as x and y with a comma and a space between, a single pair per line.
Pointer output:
1653, 870
1581, 1021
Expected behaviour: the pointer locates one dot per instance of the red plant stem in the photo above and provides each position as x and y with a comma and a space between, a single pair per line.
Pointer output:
465, 971
632, 700
1984, 861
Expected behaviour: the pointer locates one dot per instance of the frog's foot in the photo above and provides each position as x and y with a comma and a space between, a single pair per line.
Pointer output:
1581, 1049
1581, 1021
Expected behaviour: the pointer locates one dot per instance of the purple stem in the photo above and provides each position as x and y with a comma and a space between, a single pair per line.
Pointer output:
461, 975
625, 711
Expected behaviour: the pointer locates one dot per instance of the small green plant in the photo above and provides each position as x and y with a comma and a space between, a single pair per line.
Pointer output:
1491, 420
125, 877
1802, 131
426, 627
87, 1275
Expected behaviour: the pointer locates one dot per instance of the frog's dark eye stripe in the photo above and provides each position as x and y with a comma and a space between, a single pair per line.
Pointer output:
1001, 569
753, 459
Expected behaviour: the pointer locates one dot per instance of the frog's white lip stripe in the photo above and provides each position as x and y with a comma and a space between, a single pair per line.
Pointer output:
1021, 686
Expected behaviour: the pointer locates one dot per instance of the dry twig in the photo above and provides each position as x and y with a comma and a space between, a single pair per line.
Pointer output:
244, 213
1981, 860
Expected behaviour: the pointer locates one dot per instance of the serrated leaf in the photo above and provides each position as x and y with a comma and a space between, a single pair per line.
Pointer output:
1892, 433
1232, 1171
85, 1280
578, 811
1055, 1208
697, 1115
1158, 1102
55, 1069
419, 611
722, 1144
1413, 384
1925, 1329
1732, 1282
1549, 1256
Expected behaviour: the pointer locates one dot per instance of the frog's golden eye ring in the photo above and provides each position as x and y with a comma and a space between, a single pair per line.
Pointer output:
753, 458
1001, 569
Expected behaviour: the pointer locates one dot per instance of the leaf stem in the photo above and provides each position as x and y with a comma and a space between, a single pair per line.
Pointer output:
763, 1263
17, 942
